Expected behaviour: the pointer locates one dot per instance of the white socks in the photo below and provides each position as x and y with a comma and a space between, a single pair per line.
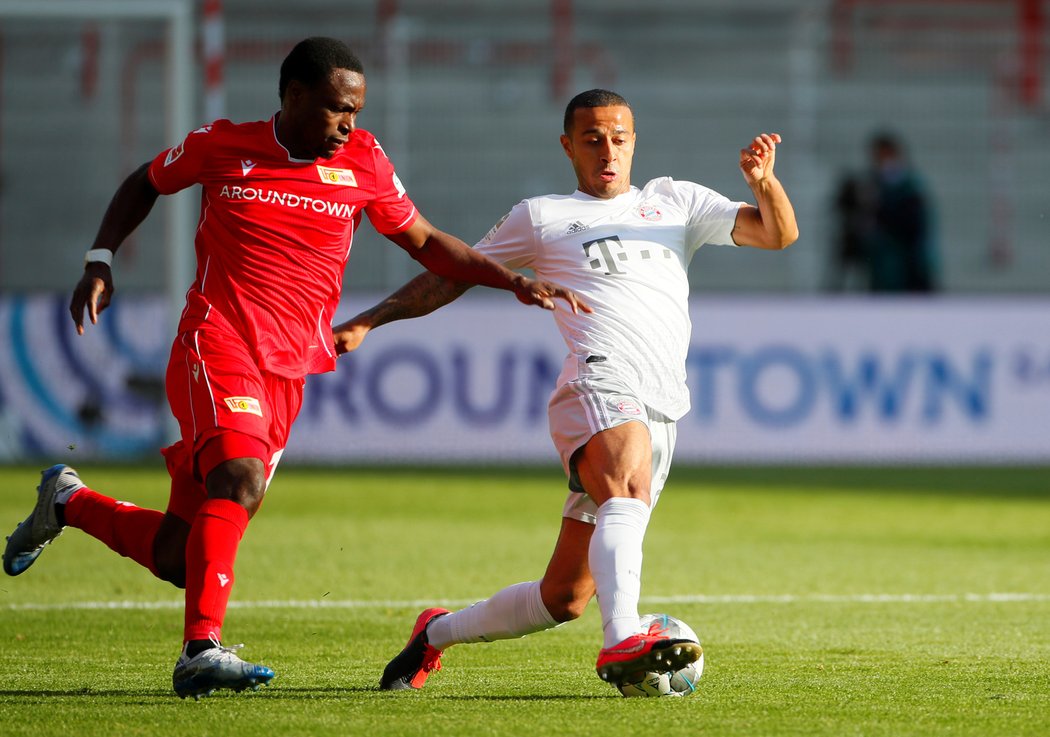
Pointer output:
615, 556
515, 611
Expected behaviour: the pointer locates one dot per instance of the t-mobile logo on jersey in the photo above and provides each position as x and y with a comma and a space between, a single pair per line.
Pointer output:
611, 252
606, 260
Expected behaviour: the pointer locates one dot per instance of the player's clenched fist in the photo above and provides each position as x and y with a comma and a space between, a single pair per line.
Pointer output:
756, 161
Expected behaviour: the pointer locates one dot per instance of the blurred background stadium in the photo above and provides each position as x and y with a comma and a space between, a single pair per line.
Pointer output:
467, 98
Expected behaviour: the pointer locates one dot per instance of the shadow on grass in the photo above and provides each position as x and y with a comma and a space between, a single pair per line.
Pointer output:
306, 692
41, 696
93, 693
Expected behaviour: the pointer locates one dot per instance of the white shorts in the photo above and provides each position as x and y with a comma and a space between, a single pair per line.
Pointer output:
578, 410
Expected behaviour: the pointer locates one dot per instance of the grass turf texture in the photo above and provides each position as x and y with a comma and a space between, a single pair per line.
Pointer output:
364, 544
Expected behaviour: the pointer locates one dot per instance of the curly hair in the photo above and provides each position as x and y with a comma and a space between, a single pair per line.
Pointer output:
313, 59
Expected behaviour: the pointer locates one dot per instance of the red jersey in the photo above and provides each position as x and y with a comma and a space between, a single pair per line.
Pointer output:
275, 234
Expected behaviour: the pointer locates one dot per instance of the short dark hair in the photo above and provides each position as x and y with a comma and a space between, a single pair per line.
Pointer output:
593, 98
313, 59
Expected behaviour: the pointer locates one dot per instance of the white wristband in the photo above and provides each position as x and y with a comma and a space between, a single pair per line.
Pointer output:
99, 255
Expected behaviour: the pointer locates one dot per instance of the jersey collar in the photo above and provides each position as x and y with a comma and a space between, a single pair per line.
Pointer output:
581, 195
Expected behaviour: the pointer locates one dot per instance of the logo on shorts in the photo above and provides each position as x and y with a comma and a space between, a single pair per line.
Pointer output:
345, 177
492, 231
244, 404
627, 407
196, 372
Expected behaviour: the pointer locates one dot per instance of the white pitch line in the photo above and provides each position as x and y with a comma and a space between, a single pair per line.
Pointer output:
993, 598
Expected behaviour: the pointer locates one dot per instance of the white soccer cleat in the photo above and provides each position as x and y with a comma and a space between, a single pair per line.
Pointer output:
27, 542
215, 668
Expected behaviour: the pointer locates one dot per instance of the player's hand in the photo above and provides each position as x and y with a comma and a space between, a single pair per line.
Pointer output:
543, 294
349, 335
756, 161
94, 291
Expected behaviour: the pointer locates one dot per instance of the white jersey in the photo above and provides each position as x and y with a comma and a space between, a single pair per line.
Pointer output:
627, 257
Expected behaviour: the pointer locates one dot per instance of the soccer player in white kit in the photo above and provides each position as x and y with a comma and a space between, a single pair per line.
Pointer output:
625, 250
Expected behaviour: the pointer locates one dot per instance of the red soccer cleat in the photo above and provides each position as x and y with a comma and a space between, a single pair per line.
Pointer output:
649, 651
410, 668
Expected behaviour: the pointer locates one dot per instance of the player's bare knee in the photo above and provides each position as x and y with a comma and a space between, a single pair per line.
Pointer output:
640, 492
241, 480
250, 496
628, 490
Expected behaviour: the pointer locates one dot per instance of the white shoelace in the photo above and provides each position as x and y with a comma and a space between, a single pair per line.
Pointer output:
226, 649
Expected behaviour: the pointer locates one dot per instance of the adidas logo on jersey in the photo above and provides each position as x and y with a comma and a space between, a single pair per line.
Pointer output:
576, 227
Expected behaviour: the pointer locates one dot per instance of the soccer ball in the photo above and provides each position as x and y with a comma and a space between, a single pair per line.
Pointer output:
678, 683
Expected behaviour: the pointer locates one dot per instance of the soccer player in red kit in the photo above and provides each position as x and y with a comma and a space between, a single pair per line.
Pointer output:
280, 202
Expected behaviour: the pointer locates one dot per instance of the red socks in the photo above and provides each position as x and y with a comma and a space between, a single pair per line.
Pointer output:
210, 552
127, 529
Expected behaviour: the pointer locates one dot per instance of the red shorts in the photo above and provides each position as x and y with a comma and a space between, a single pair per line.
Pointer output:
226, 408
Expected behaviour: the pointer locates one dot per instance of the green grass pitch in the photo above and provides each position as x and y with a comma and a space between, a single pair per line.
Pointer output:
839, 601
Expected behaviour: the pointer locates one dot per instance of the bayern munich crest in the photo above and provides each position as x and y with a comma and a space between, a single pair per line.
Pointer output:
650, 213
627, 407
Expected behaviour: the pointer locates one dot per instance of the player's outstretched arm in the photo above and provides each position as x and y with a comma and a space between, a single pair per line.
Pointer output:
771, 225
454, 267
130, 205
448, 256
419, 297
